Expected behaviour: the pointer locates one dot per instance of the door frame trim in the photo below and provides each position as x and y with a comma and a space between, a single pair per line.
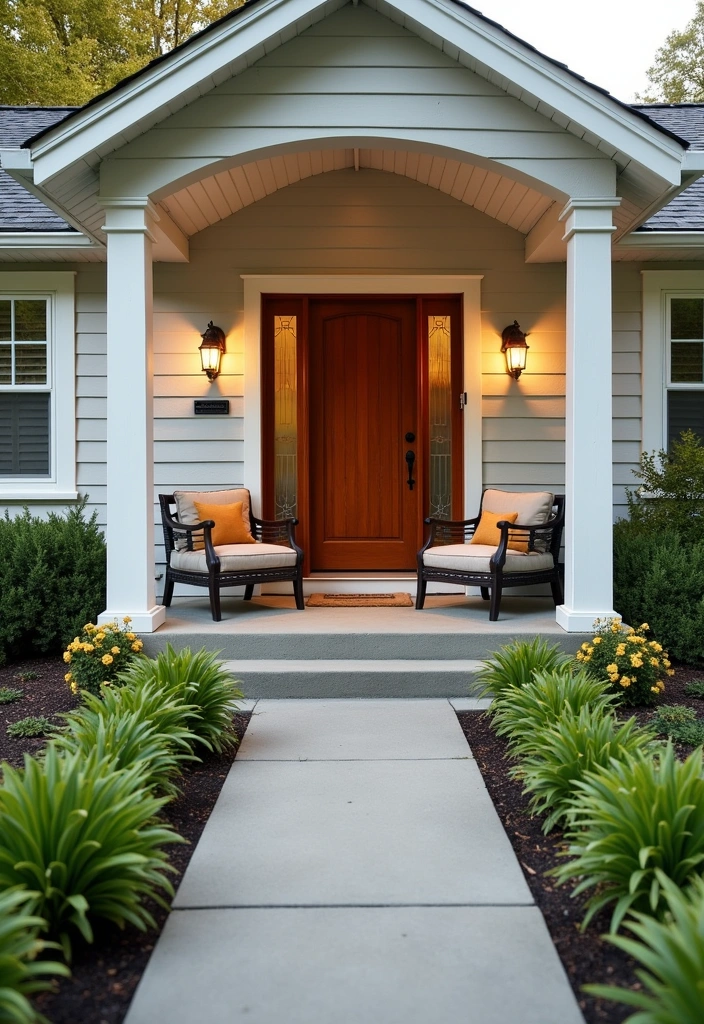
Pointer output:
466, 285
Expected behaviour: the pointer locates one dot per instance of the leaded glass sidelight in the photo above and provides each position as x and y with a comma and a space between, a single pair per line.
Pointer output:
285, 418
440, 415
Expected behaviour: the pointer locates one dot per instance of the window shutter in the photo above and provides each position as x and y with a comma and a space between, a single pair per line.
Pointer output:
24, 434
685, 411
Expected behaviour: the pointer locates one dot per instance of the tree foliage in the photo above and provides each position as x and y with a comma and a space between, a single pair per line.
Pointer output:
677, 74
64, 52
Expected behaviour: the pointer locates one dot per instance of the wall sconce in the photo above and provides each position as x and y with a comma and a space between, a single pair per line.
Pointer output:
513, 346
211, 350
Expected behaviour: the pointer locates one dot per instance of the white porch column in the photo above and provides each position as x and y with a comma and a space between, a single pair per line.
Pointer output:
588, 456
130, 432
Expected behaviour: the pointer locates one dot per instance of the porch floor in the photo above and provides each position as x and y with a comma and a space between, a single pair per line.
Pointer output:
443, 613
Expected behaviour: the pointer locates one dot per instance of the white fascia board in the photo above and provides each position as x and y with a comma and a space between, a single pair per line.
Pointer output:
596, 112
188, 69
46, 240
693, 161
662, 240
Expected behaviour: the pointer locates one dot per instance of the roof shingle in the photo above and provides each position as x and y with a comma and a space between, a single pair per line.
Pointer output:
19, 209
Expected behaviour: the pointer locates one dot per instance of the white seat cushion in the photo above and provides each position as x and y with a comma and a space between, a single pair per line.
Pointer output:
236, 557
476, 558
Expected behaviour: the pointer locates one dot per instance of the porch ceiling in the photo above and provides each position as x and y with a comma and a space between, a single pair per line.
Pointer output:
218, 196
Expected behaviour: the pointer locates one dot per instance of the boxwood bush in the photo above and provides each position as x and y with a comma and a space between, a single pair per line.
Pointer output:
52, 580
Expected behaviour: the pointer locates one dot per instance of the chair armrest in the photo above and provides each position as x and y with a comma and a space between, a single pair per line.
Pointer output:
449, 531
277, 531
174, 524
211, 559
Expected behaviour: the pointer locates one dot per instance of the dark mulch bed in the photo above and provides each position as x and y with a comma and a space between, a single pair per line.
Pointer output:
585, 957
106, 974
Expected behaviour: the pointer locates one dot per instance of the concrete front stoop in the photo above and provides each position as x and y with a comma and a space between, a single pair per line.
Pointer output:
278, 651
354, 871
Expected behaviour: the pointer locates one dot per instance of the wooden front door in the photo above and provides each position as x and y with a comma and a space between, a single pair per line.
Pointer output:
363, 420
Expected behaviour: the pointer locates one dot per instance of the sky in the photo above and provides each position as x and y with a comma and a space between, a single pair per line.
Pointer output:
610, 42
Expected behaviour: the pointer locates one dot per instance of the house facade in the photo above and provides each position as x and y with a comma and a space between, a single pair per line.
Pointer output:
362, 196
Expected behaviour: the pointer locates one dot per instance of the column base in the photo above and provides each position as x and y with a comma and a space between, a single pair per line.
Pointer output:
142, 622
573, 621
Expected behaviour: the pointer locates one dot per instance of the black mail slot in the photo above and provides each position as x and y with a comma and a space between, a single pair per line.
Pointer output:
212, 407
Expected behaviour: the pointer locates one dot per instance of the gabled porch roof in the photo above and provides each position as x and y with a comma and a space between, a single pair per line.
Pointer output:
65, 162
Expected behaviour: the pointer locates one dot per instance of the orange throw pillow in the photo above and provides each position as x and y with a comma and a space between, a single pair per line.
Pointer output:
230, 527
487, 532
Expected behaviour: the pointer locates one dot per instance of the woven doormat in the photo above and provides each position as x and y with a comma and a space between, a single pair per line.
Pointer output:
360, 601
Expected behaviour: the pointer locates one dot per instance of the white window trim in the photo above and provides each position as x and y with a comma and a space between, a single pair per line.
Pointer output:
468, 285
60, 485
658, 285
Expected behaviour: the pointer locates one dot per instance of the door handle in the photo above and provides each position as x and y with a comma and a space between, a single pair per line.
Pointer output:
410, 459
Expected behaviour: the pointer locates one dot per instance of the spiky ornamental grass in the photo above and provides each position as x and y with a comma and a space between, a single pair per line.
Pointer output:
672, 953
86, 839
21, 973
126, 726
196, 679
578, 742
514, 665
628, 822
523, 713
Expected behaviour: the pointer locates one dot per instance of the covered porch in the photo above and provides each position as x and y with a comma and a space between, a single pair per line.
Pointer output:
441, 156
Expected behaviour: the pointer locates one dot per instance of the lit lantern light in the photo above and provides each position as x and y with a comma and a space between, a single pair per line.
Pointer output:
514, 348
211, 350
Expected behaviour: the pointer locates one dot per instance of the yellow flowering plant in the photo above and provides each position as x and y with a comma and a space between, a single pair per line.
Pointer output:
633, 664
99, 654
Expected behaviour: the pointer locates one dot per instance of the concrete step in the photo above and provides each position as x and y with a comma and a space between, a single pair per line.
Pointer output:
362, 646
353, 677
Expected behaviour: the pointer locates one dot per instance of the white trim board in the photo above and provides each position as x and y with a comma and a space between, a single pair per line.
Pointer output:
469, 286
657, 284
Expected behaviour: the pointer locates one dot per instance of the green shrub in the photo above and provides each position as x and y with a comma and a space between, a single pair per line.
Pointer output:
8, 694
515, 664
659, 579
629, 820
577, 743
523, 713
695, 689
680, 724
132, 726
634, 665
27, 677
671, 495
672, 951
21, 973
29, 727
52, 580
98, 655
84, 837
197, 679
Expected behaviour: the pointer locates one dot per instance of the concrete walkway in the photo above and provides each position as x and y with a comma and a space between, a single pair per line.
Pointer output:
354, 871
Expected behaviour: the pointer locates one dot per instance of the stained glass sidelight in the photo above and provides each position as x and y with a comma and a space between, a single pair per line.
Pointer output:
440, 416
285, 418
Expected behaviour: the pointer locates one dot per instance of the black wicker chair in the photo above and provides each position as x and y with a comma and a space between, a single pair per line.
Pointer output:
212, 574
492, 574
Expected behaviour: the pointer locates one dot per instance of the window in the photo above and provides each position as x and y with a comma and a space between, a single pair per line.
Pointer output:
685, 366
37, 386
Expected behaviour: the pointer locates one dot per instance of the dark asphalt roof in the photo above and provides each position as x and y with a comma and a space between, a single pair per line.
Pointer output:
19, 209
684, 119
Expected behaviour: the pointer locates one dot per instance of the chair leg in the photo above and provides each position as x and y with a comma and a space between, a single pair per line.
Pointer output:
558, 594
495, 601
485, 593
248, 591
168, 592
298, 592
420, 592
214, 591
